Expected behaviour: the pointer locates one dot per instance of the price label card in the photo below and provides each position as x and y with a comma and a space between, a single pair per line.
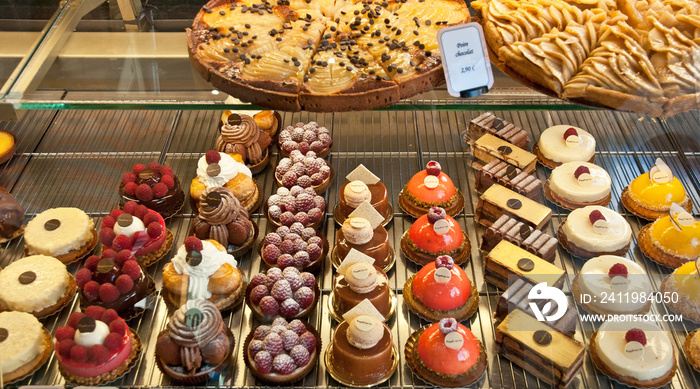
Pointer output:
465, 60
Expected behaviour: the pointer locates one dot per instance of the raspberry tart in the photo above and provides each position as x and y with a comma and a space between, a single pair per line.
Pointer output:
154, 186
295, 246
578, 184
357, 234
683, 282
283, 352
651, 194
137, 229
305, 137
26, 345
289, 206
216, 169
116, 281
67, 234
446, 354
433, 235
96, 347
430, 188
240, 134
11, 217
195, 329
289, 294
563, 143
593, 230
672, 240
440, 290
305, 170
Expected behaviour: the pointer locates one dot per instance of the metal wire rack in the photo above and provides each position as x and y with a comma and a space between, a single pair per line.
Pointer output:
76, 158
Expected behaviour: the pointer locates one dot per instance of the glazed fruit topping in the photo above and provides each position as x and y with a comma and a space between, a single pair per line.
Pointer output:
448, 325
282, 347
618, 269
193, 243
595, 216
148, 182
282, 293
141, 241
96, 354
444, 261
581, 170
212, 156
636, 335
296, 246
305, 137
305, 170
435, 214
108, 277
433, 168
302, 205
570, 132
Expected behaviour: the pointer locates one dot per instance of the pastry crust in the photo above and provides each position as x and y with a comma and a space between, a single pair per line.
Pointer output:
222, 301
585, 254
419, 258
73, 255
685, 306
417, 211
655, 253
33, 365
692, 355
546, 162
646, 213
590, 308
155, 256
571, 205
460, 313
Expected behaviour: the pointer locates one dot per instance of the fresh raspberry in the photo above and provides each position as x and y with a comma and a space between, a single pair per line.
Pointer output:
581, 170
167, 171
109, 316
144, 192
94, 311
308, 340
74, 318
325, 171
300, 355
290, 272
108, 293
637, 335
299, 245
286, 164
128, 177
160, 190
154, 230
433, 168
192, 243
130, 188
325, 139
301, 260
255, 347
124, 283
288, 179
304, 203
107, 222
310, 191
315, 240
287, 247
270, 253
308, 279
65, 333
78, 354
307, 233
64, 346
150, 218
138, 168
261, 332
82, 277
570, 132
448, 325
314, 252
168, 181
320, 202
91, 290
297, 134
130, 207
297, 326
289, 308
258, 279
305, 181
274, 211
309, 136
212, 156
263, 362
273, 238
113, 341
283, 364
155, 166
298, 168
141, 212
279, 322
314, 165
284, 261
274, 275
287, 218
315, 215
117, 327
289, 339
257, 293
304, 296
116, 213
444, 261
281, 290
288, 146
303, 147
595, 216
618, 269
132, 269
107, 236
435, 214
288, 204
302, 217
124, 256
273, 343
121, 242
316, 146
98, 354
269, 306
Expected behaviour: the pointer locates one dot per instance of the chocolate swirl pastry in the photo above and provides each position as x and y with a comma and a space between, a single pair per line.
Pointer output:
241, 135
11, 215
222, 218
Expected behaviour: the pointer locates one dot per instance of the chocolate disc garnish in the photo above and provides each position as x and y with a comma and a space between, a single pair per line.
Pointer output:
194, 258
511, 172
146, 174
3, 334
213, 169
213, 199
234, 119
525, 231
105, 265
498, 124
86, 325
27, 277
505, 150
193, 317
542, 337
514, 204
52, 224
526, 264
125, 220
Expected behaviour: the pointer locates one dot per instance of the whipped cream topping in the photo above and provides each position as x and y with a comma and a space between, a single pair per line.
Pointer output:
365, 332
355, 193
97, 336
212, 260
229, 169
594, 281
656, 360
564, 183
357, 230
553, 146
135, 226
579, 230
25, 340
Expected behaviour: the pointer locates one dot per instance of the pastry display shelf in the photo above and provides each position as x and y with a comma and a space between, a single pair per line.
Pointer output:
76, 158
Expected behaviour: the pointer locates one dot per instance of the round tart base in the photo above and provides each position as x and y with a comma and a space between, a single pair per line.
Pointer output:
32, 366
339, 218
201, 375
693, 358
276, 223
590, 308
571, 205
422, 259
127, 365
322, 154
321, 188
685, 306
339, 318
155, 256
390, 259
546, 162
267, 319
449, 381
16, 234
645, 213
223, 304
655, 253
417, 211
337, 372
626, 380
313, 266
131, 312
73, 255
585, 254
277, 379
66, 299
460, 313
260, 166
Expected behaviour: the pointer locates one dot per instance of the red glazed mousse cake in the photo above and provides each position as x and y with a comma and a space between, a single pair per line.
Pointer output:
441, 289
435, 234
137, 229
446, 354
95, 347
357, 233
154, 186
430, 188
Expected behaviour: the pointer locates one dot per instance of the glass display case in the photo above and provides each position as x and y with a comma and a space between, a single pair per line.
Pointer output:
93, 87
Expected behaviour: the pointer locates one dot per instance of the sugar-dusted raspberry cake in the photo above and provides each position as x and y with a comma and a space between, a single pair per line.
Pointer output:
305, 137
154, 186
288, 206
297, 246
288, 293
305, 170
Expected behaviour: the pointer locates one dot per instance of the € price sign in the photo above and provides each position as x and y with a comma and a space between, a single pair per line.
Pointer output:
465, 60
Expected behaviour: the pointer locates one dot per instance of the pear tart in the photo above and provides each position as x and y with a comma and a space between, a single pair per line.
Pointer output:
321, 55
634, 56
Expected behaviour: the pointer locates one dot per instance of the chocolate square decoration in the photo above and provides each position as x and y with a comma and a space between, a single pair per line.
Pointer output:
353, 257
367, 211
361, 173
364, 308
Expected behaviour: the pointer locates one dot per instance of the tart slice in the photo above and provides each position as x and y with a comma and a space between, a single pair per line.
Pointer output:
433, 235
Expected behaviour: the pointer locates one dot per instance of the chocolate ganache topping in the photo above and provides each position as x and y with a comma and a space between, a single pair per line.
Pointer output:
222, 218
11, 214
244, 138
198, 329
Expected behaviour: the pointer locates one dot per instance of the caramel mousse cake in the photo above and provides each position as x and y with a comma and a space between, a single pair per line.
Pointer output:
603, 276
221, 217
578, 184
241, 135
361, 352
504, 174
636, 353
357, 233
440, 290
216, 169
362, 185
67, 234
498, 201
518, 233
36, 284
489, 148
507, 262
488, 123
305, 137
25, 346
651, 194
563, 143
195, 329
11, 217
154, 186
430, 188
433, 235
593, 230
672, 240
357, 279
446, 354
685, 283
